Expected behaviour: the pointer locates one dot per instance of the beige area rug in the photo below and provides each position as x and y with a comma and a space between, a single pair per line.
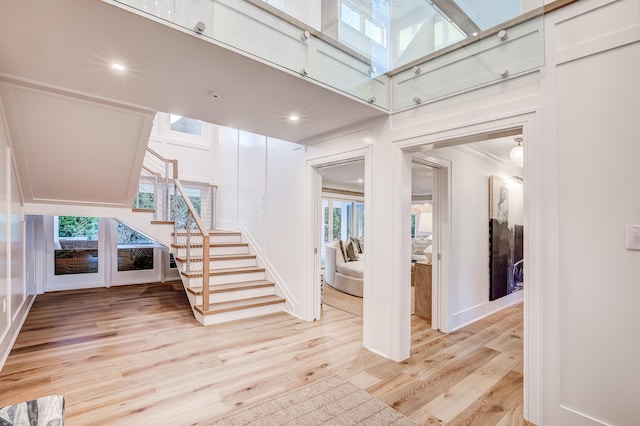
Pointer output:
340, 300
333, 401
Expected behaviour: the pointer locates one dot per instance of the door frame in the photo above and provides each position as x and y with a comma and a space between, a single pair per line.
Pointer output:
442, 230
313, 298
527, 122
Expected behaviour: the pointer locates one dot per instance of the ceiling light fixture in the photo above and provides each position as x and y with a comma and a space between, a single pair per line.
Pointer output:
294, 118
517, 152
118, 67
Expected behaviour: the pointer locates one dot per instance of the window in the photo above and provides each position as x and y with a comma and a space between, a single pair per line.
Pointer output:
350, 17
413, 225
342, 219
406, 35
374, 31
185, 125
363, 23
135, 251
76, 245
446, 33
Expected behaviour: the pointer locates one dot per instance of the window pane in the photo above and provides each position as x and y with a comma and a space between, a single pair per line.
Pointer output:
359, 220
76, 245
350, 17
337, 223
135, 259
135, 251
185, 125
374, 32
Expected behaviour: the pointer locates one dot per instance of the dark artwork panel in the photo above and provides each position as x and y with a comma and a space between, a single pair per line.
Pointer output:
506, 239
498, 259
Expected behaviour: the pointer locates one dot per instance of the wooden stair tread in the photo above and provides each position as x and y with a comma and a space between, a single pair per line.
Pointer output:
223, 288
162, 222
219, 257
236, 305
137, 210
224, 271
211, 245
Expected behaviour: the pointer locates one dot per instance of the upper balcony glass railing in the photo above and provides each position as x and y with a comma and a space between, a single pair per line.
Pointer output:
394, 54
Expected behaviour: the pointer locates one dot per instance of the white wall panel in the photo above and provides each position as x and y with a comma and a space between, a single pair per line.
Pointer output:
598, 174
227, 178
252, 173
16, 218
14, 301
5, 236
285, 214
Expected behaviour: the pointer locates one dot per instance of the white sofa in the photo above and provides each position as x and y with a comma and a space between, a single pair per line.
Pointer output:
344, 276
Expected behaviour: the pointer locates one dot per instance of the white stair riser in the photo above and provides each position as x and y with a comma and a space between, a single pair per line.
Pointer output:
237, 278
197, 239
219, 264
232, 295
240, 314
224, 279
197, 252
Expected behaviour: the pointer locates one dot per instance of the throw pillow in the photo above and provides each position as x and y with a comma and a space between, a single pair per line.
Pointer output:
356, 241
352, 251
343, 250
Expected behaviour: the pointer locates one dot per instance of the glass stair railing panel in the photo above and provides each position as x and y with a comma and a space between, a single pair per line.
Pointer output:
348, 74
422, 27
263, 31
495, 55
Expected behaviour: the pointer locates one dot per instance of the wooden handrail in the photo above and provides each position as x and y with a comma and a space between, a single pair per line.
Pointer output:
156, 174
166, 160
205, 243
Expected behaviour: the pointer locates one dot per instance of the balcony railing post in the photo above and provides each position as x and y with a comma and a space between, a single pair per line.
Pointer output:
205, 272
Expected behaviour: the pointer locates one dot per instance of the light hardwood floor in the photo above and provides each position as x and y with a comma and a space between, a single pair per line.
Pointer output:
135, 355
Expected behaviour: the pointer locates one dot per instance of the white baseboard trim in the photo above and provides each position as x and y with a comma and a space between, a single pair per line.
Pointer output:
10, 338
475, 313
227, 225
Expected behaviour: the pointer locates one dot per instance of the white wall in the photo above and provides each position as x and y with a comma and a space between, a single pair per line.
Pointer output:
13, 290
260, 192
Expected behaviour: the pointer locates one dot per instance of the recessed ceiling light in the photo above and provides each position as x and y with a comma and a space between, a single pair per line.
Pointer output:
360, 181
118, 67
294, 118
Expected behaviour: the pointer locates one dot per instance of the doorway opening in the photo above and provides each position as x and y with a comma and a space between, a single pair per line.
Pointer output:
466, 266
342, 235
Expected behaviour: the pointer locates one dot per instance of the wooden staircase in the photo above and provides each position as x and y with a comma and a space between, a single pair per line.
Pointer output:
238, 287
237, 284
